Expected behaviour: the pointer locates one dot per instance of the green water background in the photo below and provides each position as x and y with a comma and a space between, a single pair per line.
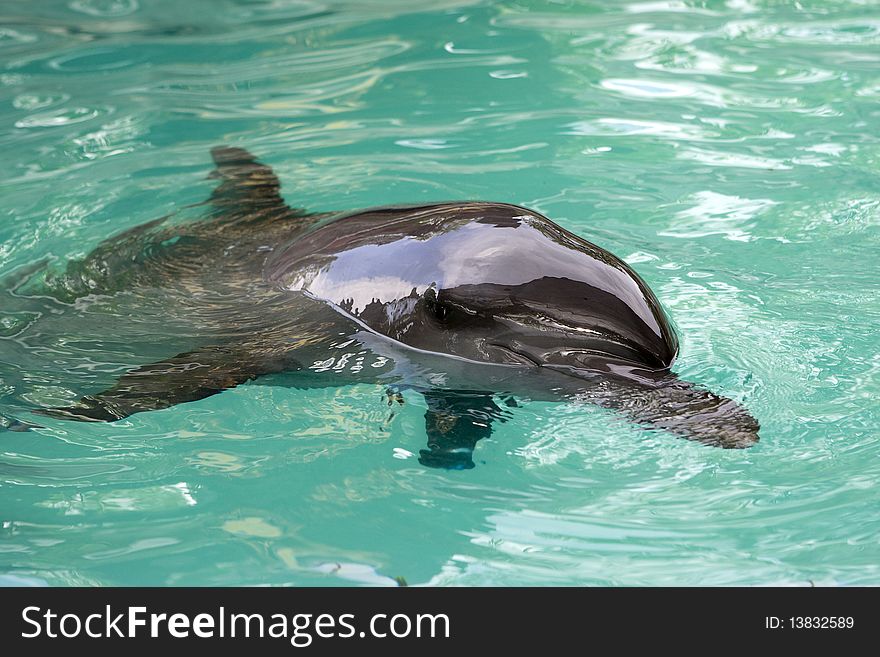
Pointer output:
727, 150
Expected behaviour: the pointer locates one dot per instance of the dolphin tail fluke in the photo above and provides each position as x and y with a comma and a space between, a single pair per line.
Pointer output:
187, 377
248, 190
454, 422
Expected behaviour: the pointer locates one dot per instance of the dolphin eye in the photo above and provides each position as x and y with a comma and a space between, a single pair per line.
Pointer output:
437, 310
447, 312
441, 311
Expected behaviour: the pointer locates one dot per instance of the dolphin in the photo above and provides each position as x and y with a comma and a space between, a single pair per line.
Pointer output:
475, 305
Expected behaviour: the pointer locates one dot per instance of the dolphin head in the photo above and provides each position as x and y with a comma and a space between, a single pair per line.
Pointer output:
497, 283
482, 281
598, 312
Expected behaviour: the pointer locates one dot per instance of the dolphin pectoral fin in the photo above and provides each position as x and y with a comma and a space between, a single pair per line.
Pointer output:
187, 377
454, 422
248, 188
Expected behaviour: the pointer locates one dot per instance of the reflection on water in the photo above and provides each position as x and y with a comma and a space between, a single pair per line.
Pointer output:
727, 150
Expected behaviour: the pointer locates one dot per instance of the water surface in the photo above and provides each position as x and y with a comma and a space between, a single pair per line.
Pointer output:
729, 151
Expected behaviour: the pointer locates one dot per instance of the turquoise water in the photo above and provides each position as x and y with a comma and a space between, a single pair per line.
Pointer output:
729, 151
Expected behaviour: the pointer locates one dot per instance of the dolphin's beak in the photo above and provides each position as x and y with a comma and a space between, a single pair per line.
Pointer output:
659, 399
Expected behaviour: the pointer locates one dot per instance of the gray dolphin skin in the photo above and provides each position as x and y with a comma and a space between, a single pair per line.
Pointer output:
477, 306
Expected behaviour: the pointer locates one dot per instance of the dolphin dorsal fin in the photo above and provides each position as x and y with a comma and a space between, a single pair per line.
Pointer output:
247, 186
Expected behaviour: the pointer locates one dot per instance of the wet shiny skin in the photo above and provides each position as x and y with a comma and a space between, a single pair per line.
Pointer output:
486, 281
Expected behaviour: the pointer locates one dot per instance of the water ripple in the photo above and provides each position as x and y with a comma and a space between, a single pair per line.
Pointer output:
727, 150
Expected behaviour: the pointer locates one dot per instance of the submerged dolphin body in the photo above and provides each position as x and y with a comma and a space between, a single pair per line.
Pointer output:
469, 303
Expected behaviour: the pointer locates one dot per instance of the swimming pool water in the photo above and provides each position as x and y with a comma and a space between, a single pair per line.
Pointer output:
729, 151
